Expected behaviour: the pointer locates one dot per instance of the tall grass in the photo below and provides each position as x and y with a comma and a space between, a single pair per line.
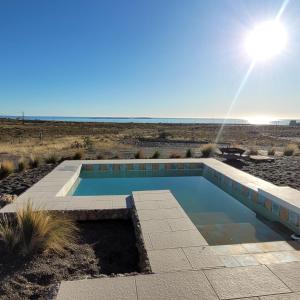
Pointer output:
290, 149
156, 154
22, 164
6, 168
271, 151
34, 161
139, 154
37, 230
208, 150
51, 159
189, 153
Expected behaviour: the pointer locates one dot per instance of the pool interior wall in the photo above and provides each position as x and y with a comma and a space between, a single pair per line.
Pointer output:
221, 217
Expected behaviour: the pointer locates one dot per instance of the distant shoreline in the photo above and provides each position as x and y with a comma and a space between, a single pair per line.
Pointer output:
215, 121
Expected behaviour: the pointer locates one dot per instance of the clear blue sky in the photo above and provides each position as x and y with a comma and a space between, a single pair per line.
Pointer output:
170, 58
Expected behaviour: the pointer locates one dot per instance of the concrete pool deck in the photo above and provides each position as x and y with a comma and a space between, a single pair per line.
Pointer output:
184, 266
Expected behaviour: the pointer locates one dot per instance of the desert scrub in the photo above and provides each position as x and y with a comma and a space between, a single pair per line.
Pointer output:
272, 151
156, 154
78, 155
22, 164
6, 168
208, 150
37, 231
51, 159
139, 154
175, 155
34, 161
290, 149
253, 151
189, 153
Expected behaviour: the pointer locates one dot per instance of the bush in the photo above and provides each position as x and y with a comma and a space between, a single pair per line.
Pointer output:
253, 151
271, 151
208, 150
100, 156
139, 155
290, 149
189, 153
78, 155
37, 230
156, 154
87, 142
22, 165
6, 167
175, 155
34, 162
51, 159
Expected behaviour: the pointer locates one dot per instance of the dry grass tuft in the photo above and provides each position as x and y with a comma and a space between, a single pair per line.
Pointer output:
22, 164
189, 153
78, 155
37, 230
290, 149
156, 154
34, 161
175, 155
271, 151
6, 167
52, 159
139, 155
208, 150
253, 151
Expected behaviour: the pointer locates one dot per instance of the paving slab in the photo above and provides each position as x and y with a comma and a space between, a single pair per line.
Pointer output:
177, 285
101, 288
289, 273
229, 249
176, 239
168, 260
181, 224
245, 282
291, 296
266, 258
202, 258
246, 260
155, 226
229, 261
160, 214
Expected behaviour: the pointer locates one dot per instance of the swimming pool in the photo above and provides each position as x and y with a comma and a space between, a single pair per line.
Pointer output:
220, 217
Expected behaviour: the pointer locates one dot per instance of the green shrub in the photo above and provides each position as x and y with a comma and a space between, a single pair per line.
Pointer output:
290, 149
189, 153
78, 155
208, 150
175, 155
37, 230
156, 154
6, 168
22, 165
51, 159
271, 151
34, 162
139, 154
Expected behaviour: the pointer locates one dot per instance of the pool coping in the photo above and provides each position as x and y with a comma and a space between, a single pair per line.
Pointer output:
280, 203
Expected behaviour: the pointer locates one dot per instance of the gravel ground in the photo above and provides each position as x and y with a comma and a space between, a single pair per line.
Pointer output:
284, 171
104, 248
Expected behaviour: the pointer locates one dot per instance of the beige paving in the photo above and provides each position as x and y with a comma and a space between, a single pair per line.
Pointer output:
104, 288
290, 296
245, 282
177, 285
289, 273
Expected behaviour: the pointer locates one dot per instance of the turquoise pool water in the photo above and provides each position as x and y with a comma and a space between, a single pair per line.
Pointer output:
219, 217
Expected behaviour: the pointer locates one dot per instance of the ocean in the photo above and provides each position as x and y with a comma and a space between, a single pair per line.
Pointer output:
144, 120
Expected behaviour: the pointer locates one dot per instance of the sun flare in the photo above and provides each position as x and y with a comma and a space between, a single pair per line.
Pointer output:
266, 40
259, 120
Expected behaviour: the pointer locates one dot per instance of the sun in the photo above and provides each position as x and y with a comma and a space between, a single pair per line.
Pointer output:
259, 120
266, 40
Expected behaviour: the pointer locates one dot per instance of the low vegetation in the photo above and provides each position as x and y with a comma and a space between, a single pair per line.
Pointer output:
22, 164
189, 153
34, 161
51, 159
6, 168
156, 154
253, 151
290, 149
78, 155
208, 150
272, 151
139, 154
36, 231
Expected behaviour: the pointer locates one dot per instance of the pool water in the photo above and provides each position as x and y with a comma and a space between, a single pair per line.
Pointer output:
219, 217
